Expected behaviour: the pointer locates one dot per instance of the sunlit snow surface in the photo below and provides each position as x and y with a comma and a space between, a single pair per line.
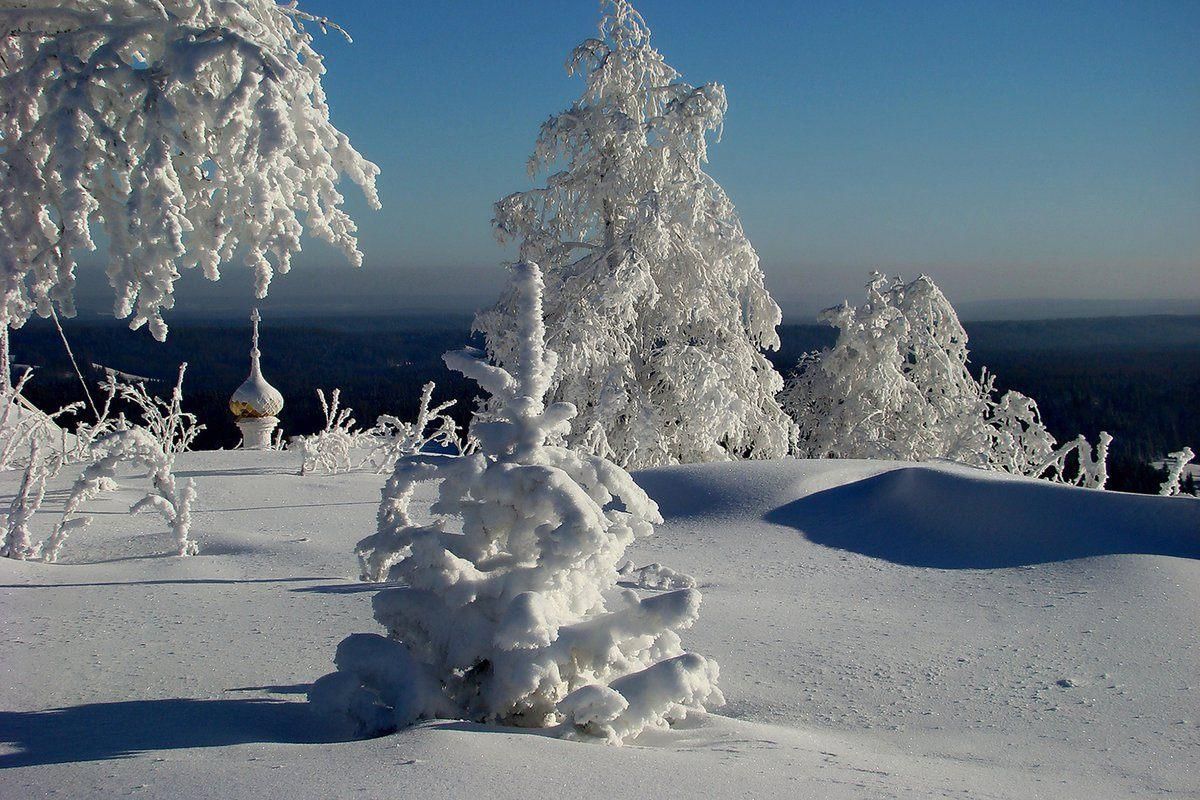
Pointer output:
882, 629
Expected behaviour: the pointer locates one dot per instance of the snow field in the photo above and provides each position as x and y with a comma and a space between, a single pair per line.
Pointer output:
846, 675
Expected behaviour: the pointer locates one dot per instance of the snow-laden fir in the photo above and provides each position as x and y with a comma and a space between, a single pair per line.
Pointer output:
512, 617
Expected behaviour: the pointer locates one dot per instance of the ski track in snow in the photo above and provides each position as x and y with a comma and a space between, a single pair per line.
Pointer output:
863, 650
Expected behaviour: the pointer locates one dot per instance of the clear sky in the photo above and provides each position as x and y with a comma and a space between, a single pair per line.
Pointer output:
1009, 149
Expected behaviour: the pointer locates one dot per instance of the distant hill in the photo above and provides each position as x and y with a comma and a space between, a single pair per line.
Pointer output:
1136, 377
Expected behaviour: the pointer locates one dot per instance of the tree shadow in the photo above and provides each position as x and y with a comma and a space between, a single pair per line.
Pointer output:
230, 473
346, 588
924, 517
287, 506
102, 731
158, 582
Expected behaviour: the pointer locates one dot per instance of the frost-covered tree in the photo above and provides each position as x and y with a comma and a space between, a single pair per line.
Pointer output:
655, 301
895, 385
509, 610
186, 131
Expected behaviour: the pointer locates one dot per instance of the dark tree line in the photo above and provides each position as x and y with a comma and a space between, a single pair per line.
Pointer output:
1137, 378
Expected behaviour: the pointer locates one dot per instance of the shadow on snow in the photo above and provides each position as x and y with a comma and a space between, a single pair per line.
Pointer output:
159, 582
101, 731
923, 517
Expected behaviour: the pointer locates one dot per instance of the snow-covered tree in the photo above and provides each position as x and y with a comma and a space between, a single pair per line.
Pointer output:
895, 385
655, 301
186, 131
509, 610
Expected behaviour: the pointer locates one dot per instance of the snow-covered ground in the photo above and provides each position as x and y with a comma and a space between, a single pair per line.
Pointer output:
882, 629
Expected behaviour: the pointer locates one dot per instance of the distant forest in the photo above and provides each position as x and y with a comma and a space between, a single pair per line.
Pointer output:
1136, 377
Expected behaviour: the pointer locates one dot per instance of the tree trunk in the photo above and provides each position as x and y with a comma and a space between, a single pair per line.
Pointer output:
5, 366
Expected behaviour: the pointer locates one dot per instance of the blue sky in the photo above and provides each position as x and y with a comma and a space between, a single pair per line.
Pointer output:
1009, 149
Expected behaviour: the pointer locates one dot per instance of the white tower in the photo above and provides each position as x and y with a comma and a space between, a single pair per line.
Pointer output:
256, 402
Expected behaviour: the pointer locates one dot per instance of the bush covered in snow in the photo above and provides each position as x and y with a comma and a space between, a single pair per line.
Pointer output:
170, 498
186, 131
331, 448
1175, 464
509, 610
22, 426
895, 385
655, 301
342, 446
18, 539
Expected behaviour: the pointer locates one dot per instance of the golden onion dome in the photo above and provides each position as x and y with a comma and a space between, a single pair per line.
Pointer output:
255, 397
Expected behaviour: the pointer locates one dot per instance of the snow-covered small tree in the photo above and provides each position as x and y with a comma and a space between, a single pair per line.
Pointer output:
895, 385
186, 130
509, 610
655, 301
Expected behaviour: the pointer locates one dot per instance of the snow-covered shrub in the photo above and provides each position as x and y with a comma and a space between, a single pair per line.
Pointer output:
22, 425
509, 610
186, 131
330, 448
18, 541
895, 385
391, 439
167, 495
87, 433
1175, 464
164, 419
1078, 462
655, 301
339, 445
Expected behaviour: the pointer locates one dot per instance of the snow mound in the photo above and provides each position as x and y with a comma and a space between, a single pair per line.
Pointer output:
928, 516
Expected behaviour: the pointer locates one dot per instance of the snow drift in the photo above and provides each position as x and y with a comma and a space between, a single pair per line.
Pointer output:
957, 518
